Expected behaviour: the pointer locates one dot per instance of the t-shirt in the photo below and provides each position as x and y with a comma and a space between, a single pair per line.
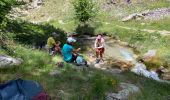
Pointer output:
99, 44
67, 52
50, 42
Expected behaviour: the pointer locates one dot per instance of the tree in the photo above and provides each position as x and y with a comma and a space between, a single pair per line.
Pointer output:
84, 10
5, 7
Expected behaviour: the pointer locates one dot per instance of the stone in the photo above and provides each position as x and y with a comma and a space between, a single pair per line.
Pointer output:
127, 89
151, 54
124, 65
55, 73
166, 76
7, 61
133, 16
114, 71
62, 95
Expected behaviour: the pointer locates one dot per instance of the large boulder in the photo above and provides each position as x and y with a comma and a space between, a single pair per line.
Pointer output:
7, 61
127, 89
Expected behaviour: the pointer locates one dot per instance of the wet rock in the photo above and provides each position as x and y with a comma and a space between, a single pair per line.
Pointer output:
149, 56
7, 61
127, 89
55, 73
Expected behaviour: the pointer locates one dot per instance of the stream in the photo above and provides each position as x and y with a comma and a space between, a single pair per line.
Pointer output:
114, 51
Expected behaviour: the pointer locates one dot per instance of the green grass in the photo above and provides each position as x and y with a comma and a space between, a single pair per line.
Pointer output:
83, 84
150, 89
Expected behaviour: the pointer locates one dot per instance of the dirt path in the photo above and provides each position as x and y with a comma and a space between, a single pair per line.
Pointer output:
162, 32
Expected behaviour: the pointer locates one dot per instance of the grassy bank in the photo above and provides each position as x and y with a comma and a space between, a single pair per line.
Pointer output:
75, 84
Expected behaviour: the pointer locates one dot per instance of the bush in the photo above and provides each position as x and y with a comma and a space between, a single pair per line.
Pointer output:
84, 10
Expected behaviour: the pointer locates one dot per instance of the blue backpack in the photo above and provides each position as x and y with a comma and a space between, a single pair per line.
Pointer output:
21, 90
81, 61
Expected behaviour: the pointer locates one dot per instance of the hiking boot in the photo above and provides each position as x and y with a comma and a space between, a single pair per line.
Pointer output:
97, 61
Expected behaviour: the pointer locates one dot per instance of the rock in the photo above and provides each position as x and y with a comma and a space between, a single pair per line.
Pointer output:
124, 65
132, 16
55, 73
114, 71
7, 61
150, 55
127, 89
60, 64
149, 15
166, 76
62, 95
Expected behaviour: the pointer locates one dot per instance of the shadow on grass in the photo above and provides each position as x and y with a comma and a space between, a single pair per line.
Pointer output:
33, 34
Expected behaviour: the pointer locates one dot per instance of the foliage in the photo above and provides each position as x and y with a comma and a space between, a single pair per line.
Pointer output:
101, 85
84, 10
34, 34
5, 7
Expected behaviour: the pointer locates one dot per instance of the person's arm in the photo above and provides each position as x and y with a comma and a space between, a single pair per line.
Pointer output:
102, 44
95, 44
76, 50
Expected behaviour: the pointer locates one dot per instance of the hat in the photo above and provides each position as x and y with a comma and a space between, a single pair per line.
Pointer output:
73, 34
99, 37
71, 40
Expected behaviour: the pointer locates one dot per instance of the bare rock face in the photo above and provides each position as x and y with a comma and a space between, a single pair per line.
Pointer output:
127, 89
7, 61
149, 15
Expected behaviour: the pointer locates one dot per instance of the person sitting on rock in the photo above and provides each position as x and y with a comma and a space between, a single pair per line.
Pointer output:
68, 52
99, 46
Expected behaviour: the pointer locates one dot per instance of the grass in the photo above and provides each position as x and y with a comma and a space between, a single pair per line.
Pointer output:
87, 84
150, 89
76, 84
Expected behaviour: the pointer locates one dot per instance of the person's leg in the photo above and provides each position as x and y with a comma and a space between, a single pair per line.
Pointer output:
97, 53
101, 54
74, 57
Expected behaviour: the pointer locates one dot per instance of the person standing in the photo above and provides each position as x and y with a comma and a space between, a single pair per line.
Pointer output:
99, 47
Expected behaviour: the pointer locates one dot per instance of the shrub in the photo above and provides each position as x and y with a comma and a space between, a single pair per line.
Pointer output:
84, 10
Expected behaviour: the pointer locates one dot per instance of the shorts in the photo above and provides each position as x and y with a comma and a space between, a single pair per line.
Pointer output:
72, 59
101, 50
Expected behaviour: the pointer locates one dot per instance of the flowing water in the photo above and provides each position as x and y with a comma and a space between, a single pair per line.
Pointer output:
114, 51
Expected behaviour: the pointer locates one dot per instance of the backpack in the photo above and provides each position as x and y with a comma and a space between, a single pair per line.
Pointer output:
80, 61
22, 90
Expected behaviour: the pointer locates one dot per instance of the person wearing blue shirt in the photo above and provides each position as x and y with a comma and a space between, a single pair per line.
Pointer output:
68, 52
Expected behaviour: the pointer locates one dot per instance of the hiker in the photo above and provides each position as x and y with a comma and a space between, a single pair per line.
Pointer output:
68, 52
51, 43
99, 47
57, 48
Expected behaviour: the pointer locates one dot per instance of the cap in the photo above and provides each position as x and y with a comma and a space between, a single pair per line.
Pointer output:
71, 40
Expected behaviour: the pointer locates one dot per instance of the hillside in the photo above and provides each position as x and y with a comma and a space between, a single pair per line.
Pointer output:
133, 29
